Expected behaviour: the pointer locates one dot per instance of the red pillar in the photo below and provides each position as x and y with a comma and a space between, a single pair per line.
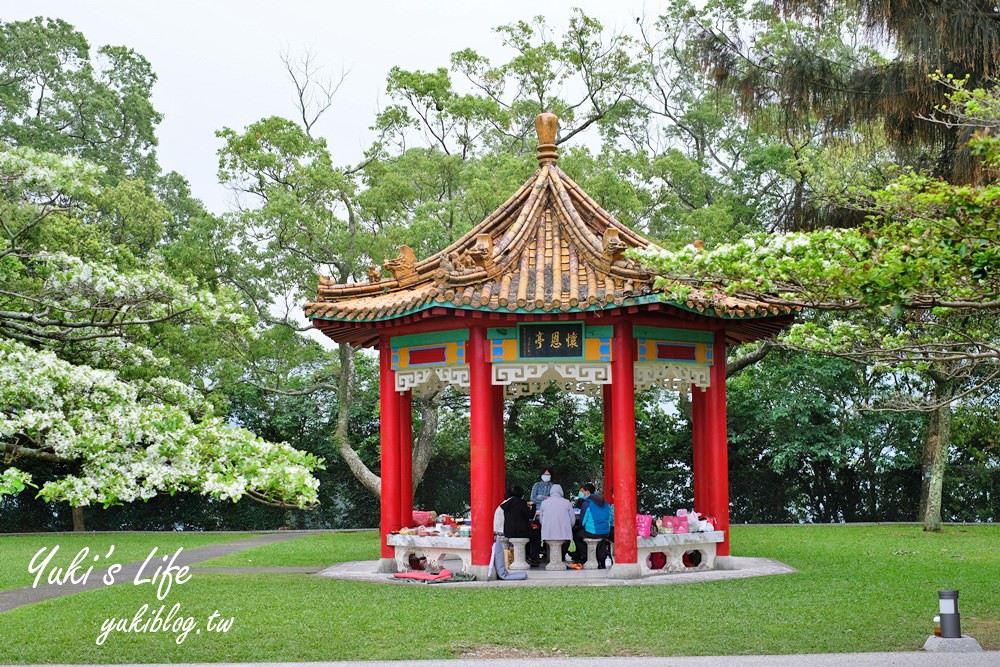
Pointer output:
609, 430
499, 456
389, 436
716, 457
699, 427
623, 445
406, 458
480, 449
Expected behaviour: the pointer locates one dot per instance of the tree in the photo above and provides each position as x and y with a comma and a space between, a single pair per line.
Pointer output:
890, 93
90, 314
55, 96
927, 257
929, 249
116, 441
866, 101
301, 213
120, 442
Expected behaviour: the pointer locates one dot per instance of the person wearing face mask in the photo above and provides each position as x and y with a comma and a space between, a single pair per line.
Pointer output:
540, 491
594, 522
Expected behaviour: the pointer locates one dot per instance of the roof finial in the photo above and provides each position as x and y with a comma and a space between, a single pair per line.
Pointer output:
546, 126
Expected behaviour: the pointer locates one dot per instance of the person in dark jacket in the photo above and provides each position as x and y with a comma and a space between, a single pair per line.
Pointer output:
517, 522
595, 523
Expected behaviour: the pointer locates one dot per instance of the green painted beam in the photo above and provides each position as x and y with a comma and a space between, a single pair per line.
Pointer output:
412, 340
676, 335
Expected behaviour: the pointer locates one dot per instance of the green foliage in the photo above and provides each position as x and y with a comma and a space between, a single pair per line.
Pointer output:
804, 447
59, 98
974, 465
91, 317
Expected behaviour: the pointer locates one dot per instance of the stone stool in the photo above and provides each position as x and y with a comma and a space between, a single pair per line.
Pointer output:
592, 543
519, 544
555, 555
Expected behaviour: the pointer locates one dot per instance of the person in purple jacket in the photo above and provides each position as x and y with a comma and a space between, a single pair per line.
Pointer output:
557, 518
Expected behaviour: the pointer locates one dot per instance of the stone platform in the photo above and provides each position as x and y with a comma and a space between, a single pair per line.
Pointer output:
726, 567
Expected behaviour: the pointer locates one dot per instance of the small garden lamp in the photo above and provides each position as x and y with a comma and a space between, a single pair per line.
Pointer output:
951, 625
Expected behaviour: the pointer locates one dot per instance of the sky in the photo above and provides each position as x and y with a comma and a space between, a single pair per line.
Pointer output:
218, 62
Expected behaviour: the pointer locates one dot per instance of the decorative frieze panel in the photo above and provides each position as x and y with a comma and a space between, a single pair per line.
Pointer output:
456, 376
590, 373
533, 378
426, 380
540, 342
675, 377
508, 374
414, 379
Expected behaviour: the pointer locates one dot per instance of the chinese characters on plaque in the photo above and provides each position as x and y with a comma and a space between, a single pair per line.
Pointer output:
551, 340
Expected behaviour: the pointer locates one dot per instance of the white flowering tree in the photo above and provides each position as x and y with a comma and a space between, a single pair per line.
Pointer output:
68, 323
56, 299
132, 441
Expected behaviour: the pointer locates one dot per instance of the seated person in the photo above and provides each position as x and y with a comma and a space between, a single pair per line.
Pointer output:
595, 523
557, 519
517, 516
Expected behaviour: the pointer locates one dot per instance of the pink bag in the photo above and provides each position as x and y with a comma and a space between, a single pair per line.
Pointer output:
643, 525
679, 524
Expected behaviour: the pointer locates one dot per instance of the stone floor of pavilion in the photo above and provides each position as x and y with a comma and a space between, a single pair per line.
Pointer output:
729, 567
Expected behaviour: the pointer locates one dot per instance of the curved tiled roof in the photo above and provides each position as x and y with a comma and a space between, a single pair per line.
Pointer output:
550, 248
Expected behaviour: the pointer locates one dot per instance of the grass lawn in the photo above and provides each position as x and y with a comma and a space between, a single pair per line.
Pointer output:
16, 551
318, 550
859, 588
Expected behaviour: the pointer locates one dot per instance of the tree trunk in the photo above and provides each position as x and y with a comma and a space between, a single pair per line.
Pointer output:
423, 448
935, 455
345, 393
77, 513
734, 366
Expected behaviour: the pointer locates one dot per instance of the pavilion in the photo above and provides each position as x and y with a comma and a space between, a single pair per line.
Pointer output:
540, 292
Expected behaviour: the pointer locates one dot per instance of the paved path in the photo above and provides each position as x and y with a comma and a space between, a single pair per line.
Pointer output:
911, 659
18, 597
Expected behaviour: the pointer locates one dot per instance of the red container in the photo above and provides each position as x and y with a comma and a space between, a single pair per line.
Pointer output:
423, 518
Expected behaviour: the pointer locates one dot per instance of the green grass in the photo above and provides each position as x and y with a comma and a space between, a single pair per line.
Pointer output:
859, 588
16, 551
318, 550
